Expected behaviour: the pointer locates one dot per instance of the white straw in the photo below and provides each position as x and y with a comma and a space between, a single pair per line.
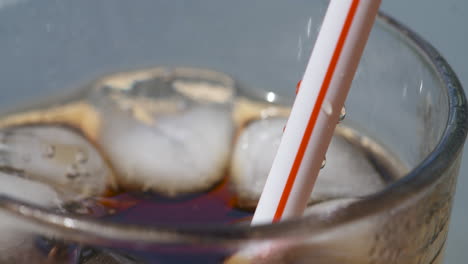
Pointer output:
316, 110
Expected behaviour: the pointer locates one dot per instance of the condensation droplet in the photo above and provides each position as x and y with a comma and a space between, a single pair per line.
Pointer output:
324, 162
299, 48
405, 91
327, 108
72, 172
81, 157
342, 114
49, 151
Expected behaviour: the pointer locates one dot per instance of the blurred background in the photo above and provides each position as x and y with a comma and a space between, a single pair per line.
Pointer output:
445, 25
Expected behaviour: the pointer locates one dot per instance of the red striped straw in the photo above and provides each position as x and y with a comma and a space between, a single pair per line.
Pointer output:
316, 110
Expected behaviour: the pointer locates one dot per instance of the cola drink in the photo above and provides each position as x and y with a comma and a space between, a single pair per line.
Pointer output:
164, 146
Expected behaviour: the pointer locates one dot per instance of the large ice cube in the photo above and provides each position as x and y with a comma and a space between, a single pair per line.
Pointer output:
348, 172
171, 133
57, 156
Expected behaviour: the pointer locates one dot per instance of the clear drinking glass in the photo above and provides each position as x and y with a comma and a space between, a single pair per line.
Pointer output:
404, 96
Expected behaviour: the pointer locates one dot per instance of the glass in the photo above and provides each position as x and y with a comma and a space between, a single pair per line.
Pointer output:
405, 97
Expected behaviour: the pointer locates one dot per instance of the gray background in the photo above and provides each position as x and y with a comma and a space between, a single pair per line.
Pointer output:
445, 25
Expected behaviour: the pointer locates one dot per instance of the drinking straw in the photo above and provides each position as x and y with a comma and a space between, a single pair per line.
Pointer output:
316, 110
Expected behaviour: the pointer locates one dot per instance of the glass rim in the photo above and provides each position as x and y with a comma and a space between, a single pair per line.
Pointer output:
95, 231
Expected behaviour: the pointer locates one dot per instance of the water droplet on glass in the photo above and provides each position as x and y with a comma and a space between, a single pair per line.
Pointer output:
299, 48
405, 91
49, 151
309, 27
342, 114
327, 108
81, 157
72, 172
324, 162
48, 27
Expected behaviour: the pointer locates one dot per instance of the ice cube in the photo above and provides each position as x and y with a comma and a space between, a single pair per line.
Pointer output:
57, 156
180, 153
348, 172
253, 155
16, 243
166, 134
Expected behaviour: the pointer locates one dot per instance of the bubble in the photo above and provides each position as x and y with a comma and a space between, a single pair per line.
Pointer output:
49, 151
72, 172
81, 157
